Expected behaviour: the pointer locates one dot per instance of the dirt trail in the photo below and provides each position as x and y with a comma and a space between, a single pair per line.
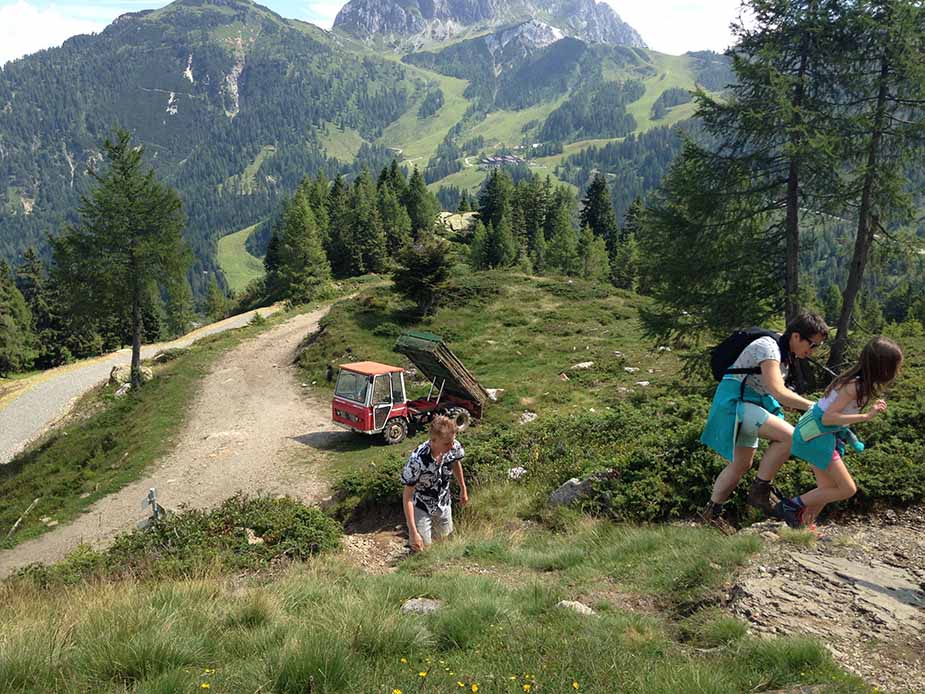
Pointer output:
249, 429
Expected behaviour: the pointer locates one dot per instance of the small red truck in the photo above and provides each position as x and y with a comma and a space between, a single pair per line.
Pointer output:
371, 398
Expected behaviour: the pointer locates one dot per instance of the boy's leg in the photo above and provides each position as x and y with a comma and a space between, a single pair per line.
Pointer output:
424, 526
442, 524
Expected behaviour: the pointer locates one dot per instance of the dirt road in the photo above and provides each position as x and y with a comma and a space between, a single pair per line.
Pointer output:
246, 432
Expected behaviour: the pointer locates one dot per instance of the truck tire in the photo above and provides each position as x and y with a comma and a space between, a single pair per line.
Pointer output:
396, 429
461, 417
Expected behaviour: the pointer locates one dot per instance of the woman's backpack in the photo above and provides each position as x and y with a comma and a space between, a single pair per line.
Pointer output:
724, 355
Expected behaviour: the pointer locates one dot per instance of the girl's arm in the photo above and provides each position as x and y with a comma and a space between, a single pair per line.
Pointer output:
835, 416
770, 373
461, 481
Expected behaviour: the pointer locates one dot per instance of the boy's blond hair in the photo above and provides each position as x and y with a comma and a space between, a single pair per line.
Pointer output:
442, 427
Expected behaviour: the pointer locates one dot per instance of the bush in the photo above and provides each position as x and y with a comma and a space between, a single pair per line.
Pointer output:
195, 540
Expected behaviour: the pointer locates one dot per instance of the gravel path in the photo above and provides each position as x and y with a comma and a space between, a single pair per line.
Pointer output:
49, 396
248, 431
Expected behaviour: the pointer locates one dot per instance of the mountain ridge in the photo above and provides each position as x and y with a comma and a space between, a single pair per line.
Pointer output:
416, 22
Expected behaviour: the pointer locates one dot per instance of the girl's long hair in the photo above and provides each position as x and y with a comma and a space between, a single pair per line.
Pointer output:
877, 367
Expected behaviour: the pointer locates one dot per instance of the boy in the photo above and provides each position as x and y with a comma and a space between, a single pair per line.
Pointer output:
426, 476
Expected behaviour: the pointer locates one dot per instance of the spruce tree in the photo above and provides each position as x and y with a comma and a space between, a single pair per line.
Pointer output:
464, 204
127, 242
497, 197
478, 248
17, 341
304, 270
32, 282
422, 271
562, 251
421, 204
395, 220
216, 306
179, 307
625, 265
500, 245
371, 245
595, 259
887, 77
597, 212
341, 248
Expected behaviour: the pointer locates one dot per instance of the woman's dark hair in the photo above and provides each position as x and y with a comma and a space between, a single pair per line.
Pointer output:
877, 367
807, 325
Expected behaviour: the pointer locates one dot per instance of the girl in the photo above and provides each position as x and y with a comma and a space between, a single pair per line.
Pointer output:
815, 436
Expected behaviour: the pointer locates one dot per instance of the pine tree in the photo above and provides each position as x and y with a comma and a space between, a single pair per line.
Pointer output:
395, 220
464, 204
372, 253
17, 341
625, 265
597, 212
497, 197
32, 282
888, 78
478, 249
595, 259
304, 270
128, 241
562, 251
422, 270
342, 248
421, 204
500, 245
216, 306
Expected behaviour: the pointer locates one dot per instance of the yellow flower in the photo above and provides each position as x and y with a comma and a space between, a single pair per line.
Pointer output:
526, 687
512, 677
574, 685
475, 687
396, 691
403, 661
422, 674
461, 684
205, 685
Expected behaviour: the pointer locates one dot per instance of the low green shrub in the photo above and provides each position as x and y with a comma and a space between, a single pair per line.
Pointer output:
194, 541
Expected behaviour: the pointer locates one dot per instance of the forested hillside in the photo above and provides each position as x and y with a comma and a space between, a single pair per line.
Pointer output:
235, 105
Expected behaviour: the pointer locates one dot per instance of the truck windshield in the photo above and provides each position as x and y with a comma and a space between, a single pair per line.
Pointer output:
351, 386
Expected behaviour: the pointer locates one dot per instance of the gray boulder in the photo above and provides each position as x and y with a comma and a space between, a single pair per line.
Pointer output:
575, 489
421, 606
120, 375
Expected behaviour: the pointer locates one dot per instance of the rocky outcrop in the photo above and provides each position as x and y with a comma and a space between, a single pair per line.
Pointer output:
589, 20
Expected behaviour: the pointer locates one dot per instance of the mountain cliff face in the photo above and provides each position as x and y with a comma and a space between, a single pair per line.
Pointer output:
437, 20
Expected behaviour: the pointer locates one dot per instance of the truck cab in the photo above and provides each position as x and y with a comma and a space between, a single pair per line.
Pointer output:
370, 398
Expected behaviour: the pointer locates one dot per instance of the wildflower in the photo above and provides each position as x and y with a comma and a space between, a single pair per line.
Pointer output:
574, 685
205, 685
461, 684
475, 687
396, 691
512, 677
422, 674
526, 687
403, 661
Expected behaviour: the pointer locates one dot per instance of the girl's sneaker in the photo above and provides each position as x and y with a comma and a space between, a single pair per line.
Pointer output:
790, 512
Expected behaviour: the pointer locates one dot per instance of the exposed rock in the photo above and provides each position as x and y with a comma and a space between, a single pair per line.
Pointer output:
528, 417
576, 489
494, 393
252, 538
583, 366
630, 369
564, 377
643, 384
574, 606
123, 374
421, 606
123, 390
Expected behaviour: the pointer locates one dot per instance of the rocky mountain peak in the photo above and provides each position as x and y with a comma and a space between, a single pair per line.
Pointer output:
589, 20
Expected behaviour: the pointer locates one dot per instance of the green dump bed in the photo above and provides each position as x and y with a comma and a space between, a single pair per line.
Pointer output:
429, 353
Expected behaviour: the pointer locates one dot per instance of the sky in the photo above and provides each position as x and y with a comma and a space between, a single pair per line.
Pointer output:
669, 26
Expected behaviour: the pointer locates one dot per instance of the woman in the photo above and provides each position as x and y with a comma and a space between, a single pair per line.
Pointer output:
749, 407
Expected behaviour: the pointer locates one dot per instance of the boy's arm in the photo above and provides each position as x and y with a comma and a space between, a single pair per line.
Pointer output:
461, 481
407, 502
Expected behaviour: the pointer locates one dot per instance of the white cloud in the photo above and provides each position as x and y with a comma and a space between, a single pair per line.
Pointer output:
26, 29
323, 13
678, 26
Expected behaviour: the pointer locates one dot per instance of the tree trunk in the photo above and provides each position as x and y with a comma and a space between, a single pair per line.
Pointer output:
866, 224
792, 269
136, 332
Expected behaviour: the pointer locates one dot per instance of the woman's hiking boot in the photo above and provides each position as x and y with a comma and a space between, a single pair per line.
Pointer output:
761, 495
712, 514
790, 512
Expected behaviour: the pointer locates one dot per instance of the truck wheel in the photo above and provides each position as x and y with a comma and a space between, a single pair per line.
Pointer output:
395, 431
461, 417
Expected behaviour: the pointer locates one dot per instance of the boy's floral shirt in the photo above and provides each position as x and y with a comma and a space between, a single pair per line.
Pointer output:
431, 481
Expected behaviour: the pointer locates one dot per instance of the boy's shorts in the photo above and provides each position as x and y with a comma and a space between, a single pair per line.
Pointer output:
751, 418
436, 525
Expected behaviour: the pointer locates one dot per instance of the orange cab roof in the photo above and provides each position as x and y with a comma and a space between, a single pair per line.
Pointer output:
371, 368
